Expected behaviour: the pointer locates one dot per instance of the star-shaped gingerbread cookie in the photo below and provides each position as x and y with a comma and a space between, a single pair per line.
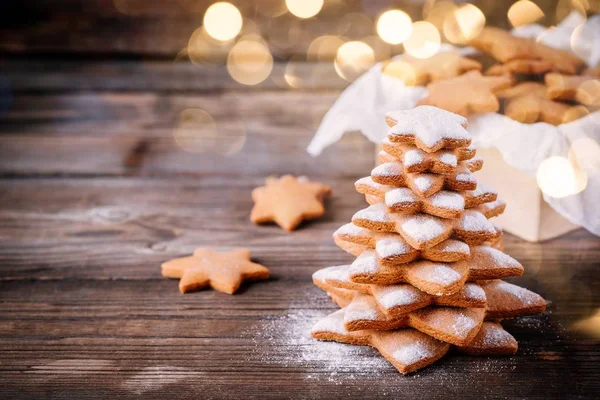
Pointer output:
288, 201
505, 47
583, 89
527, 102
523, 66
419, 72
467, 94
221, 271
428, 128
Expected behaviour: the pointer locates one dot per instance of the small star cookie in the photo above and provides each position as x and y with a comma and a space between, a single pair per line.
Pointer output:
428, 128
505, 47
419, 72
467, 94
526, 67
288, 201
221, 271
583, 89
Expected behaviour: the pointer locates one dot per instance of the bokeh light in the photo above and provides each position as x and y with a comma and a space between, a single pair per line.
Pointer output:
355, 26
223, 21
464, 23
558, 177
424, 40
402, 70
353, 59
524, 12
304, 8
394, 26
565, 7
324, 48
203, 49
586, 152
197, 132
436, 12
588, 93
249, 61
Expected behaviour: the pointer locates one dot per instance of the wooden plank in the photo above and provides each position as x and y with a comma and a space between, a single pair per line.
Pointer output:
39, 75
133, 133
85, 312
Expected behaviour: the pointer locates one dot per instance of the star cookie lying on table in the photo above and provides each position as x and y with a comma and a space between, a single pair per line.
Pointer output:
224, 272
467, 94
583, 89
288, 200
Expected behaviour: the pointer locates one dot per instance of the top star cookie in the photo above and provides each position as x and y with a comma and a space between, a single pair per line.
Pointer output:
288, 200
429, 128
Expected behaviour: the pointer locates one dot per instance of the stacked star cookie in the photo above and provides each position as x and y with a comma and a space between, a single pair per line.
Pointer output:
429, 267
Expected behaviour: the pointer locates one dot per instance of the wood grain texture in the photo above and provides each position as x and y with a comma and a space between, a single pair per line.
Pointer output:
95, 194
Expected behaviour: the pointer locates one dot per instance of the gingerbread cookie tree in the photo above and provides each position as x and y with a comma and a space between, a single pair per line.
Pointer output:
429, 267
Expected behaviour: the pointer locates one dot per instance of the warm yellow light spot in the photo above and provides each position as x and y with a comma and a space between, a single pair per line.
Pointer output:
203, 49
402, 70
589, 326
558, 177
197, 132
324, 48
424, 40
304, 8
464, 23
353, 59
524, 12
249, 62
436, 12
394, 26
223, 21
586, 152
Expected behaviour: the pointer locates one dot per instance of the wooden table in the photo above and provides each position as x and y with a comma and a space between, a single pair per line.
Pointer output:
95, 194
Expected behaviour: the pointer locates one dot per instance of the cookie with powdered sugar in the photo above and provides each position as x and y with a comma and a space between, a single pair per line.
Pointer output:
416, 160
394, 300
391, 173
443, 204
423, 231
408, 349
509, 301
393, 250
397, 151
428, 128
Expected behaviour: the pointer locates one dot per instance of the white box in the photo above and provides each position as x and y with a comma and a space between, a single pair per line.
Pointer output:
527, 215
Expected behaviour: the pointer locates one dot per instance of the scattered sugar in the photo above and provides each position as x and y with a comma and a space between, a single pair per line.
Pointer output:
397, 295
474, 221
500, 259
429, 124
388, 169
391, 246
411, 353
422, 227
351, 229
376, 212
413, 157
285, 341
442, 274
449, 159
449, 200
492, 204
400, 195
423, 182
337, 273
366, 262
